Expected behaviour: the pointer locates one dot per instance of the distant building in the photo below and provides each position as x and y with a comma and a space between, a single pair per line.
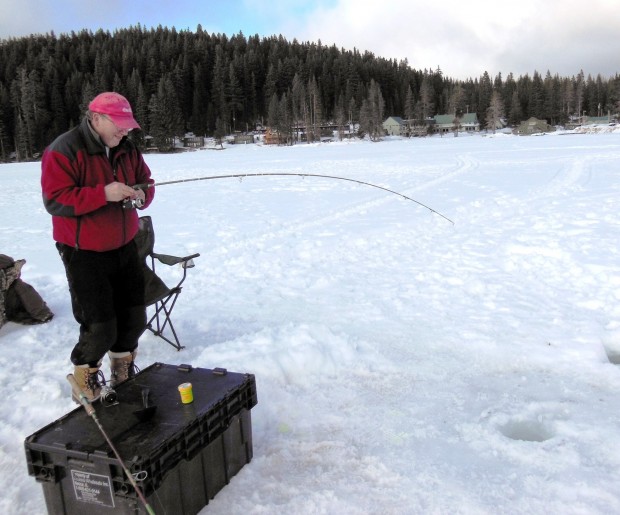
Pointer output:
243, 139
419, 127
469, 122
451, 123
394, 126
597, 120
190, 140
273, 137
445, 123
533, 126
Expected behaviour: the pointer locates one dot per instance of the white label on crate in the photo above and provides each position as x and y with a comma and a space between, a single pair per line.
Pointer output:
92, 488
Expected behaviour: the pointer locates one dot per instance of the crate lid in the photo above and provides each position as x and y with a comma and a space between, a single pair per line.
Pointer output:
175, 429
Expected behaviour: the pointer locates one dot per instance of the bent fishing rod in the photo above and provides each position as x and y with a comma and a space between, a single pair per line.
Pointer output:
291, 174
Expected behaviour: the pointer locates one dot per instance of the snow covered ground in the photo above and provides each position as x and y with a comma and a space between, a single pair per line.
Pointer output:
404, 365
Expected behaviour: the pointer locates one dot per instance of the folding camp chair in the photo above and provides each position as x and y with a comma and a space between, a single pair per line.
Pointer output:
157, 294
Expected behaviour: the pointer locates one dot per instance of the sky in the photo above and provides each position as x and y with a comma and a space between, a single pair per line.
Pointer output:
463, 38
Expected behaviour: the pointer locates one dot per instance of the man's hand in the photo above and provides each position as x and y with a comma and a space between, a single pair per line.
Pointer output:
117, 191
140, 195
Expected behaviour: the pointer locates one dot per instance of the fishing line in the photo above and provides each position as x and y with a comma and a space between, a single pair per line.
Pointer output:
290, 174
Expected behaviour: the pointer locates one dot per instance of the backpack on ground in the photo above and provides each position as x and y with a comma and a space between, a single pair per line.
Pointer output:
19, 301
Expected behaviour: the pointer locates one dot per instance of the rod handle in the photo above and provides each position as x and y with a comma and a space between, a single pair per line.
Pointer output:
77, 391
91, 411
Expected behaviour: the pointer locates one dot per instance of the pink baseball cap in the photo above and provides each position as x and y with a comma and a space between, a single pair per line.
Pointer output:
115, 106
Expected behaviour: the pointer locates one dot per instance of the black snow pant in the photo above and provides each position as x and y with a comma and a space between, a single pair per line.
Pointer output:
107, 297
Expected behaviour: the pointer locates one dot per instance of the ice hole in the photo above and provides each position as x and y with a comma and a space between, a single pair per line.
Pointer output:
614, 357
526, 430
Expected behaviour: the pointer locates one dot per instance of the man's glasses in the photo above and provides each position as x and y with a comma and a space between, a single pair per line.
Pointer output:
119, 129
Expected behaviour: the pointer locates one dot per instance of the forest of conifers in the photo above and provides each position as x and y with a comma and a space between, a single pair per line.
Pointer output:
209, 84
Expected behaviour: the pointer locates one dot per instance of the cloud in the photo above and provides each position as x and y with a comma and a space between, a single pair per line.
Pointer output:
467, 38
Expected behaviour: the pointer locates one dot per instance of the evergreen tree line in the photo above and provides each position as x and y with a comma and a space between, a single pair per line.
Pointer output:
212, 84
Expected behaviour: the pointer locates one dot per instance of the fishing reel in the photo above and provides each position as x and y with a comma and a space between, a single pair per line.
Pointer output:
108, 396
133, 203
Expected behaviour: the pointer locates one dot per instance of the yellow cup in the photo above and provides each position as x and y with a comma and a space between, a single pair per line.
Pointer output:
187, 395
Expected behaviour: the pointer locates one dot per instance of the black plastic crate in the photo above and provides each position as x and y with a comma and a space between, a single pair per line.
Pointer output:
181, 457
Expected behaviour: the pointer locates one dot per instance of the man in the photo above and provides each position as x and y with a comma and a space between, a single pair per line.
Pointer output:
87, 178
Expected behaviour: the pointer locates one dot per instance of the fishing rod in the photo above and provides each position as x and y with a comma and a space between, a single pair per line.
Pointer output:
77, 391
291, 174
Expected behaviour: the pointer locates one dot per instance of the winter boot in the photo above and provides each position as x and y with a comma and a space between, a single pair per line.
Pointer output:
122, 367
90, 380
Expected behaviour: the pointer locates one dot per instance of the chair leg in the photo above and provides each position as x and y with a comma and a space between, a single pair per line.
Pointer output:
163, 310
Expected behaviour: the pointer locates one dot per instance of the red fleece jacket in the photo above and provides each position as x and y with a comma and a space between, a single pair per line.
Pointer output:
75, 170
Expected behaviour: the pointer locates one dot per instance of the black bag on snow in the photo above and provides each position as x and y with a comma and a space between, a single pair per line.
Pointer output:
19, 301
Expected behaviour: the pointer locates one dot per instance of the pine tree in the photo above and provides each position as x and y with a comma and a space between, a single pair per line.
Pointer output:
219, 86
426, 104
579, 94
273, 118
234, 96
365, 119
200, 101
456, 101
352, 112
516, 113
340, 116
536, 97
4, 136
485, 92
568, 98
165, 118
298, 104
315, 111
409, 105
141, 111
371, 113
285, 117
376, 106
220, 131
495, 112
28, 97
88, 93
270, 88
